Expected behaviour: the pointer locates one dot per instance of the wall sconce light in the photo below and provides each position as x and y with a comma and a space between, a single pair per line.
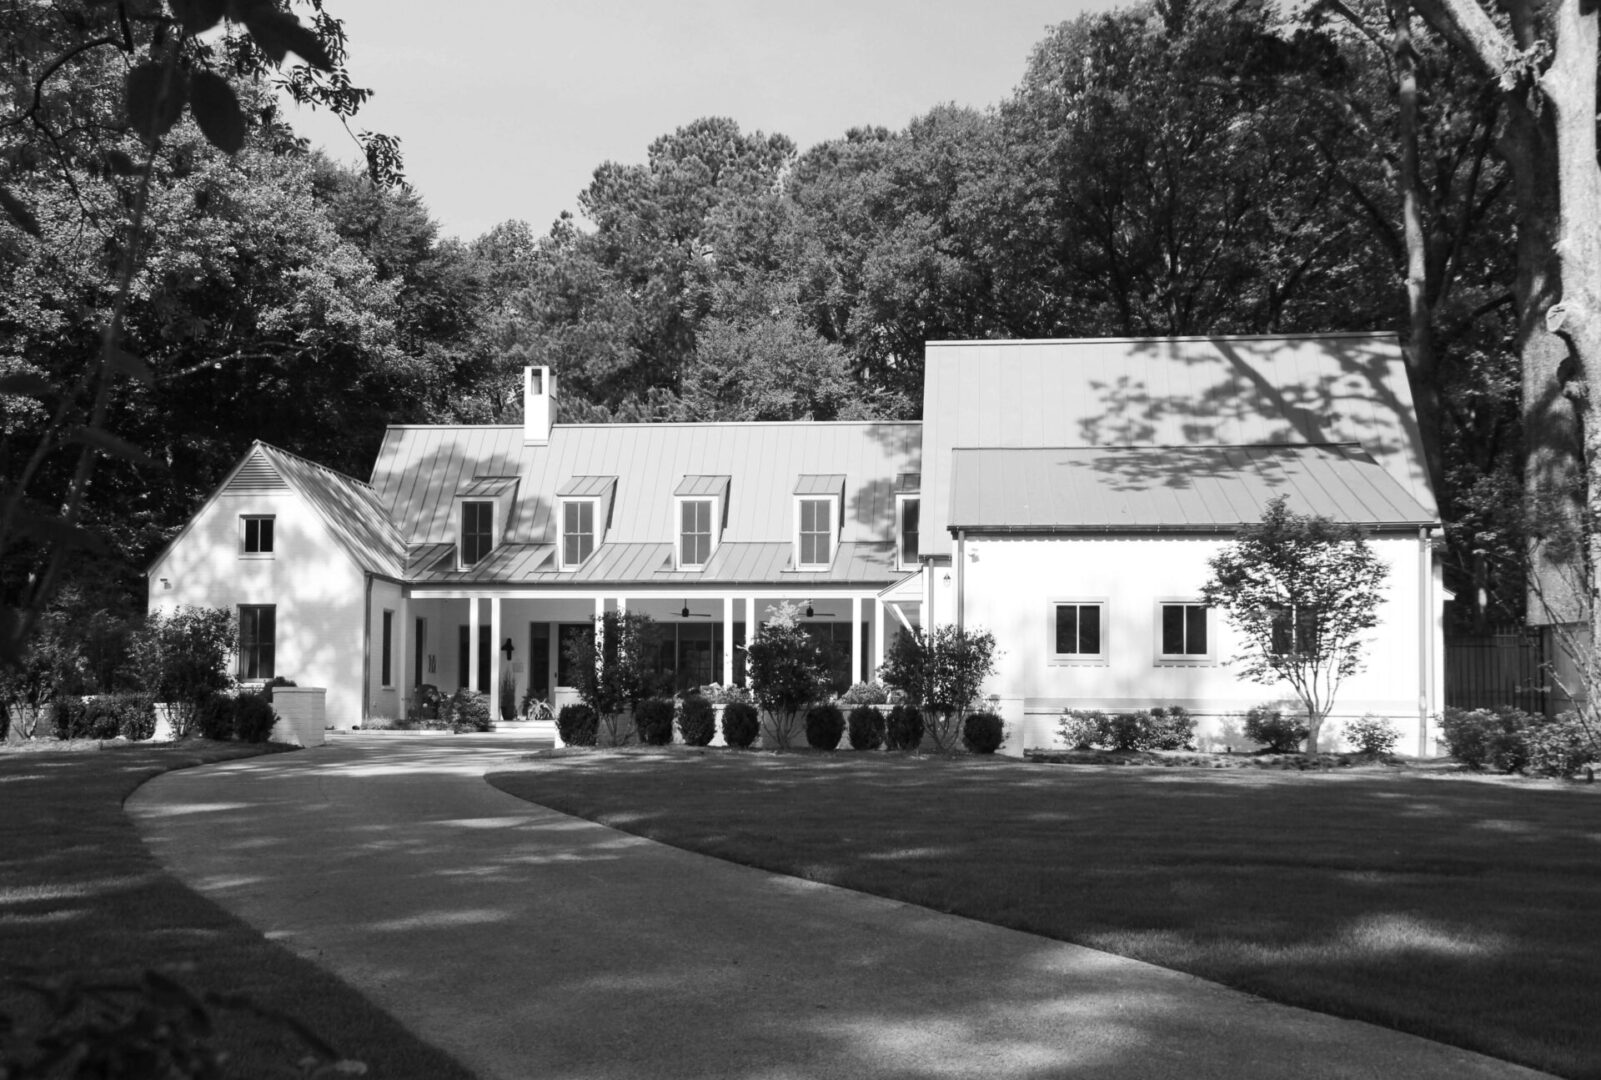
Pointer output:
165, 583
947, 578
508, 648
809, 612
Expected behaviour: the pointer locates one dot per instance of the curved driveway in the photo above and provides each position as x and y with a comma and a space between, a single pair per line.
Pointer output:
530, 944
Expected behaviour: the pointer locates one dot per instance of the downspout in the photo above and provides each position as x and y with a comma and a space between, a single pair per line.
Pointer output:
366, 650
961, 578
1425, 638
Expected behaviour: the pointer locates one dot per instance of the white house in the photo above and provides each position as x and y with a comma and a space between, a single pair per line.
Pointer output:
1063, 494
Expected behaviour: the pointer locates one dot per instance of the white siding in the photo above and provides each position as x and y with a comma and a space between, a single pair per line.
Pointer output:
1010, 583
314, 584
386, 701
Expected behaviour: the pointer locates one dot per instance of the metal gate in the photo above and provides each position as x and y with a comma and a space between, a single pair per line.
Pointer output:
1497, 669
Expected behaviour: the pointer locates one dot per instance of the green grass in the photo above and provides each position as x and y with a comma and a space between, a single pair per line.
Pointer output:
1461, 910
81, 897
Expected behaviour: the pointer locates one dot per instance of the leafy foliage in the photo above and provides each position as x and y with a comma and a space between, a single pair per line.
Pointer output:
253, 718
1276, 731
1167, 727
469, 711
903, 728
577, 725
741, 724
653, 721
1488, 737
1300, 590
1373, 736
697, 721
865, 725
941, 671
983, 732
825, 725
613, 663
182, 658
788, 670
1560, 747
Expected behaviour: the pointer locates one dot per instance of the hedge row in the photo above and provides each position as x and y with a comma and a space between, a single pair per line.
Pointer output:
1511, 740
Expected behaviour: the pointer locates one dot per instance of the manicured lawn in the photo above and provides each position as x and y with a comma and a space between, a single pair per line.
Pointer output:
1462, 910
81, 897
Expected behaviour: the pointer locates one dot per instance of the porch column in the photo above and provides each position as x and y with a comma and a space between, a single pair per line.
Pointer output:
856, 640
469, 677
400, 655
494, 662
600, 628
878, 635
728, 640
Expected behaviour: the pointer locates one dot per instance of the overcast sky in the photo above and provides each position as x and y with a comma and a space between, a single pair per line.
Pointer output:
505, 109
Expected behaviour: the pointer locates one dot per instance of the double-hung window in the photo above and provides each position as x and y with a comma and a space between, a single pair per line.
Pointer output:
816, 532
694, 533
577, 531
477, 531
1183, 631
908, 507
257, 631
255, 539
1078, 630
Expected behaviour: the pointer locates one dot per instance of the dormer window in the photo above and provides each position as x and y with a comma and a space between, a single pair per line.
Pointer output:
817, 520
583, 512
701, 504
816, 532
577, 532
477, 531
694, 533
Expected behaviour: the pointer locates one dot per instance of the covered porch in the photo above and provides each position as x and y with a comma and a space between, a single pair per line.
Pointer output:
521, 637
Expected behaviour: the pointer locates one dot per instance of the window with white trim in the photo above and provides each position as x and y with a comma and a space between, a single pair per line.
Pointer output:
1183, 631
815, 537
1078, 630
696, 532
907, 512
256, 535
386, 666
477, 531
577, 532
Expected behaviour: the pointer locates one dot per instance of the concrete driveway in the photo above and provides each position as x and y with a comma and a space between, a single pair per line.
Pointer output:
530, 944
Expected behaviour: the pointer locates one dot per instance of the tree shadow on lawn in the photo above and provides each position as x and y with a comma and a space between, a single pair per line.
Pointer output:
1458, 910
82, 898
534, 944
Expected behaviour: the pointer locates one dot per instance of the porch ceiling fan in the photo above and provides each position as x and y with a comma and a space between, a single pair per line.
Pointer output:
685, 613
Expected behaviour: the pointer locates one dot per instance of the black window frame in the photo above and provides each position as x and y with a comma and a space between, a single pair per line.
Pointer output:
258, 651
386, 663
1193, 616
1079, 654
908, 506
258, 534
478, 533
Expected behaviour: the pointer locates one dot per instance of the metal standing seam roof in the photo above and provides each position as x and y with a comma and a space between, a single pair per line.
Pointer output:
348, 507
819, 484
1175, 392
579, 487
703, 485
621, 564
484, 487
419, 469
1185, 488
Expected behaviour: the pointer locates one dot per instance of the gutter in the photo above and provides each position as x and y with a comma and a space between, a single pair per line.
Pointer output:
1402, 527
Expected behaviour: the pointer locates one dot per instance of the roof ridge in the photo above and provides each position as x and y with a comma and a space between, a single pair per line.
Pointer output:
314, 464
1168, 446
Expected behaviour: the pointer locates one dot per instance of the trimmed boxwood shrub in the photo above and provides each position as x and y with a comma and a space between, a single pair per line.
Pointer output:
825, 724
1559, 747
983, 732
469, 711
697, 721
577, 725
741, 724
253, 718
653, 720
866, 725
214, 717
1485, 737
104, 716
903, 730
1278, 733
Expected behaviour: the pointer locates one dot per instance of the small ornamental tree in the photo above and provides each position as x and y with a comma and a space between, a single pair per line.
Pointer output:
49, 667
613, 669
1300, 590
183, 659
788, 670
941, 672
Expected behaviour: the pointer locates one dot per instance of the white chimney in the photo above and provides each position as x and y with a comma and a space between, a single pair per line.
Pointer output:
539, 404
